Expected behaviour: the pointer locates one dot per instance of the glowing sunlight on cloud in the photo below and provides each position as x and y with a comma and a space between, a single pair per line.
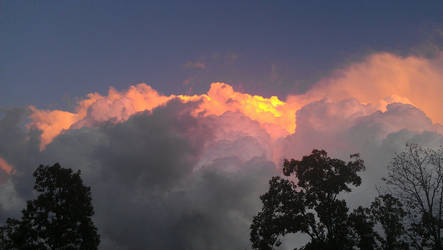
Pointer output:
377, 81
5, 166
174, 157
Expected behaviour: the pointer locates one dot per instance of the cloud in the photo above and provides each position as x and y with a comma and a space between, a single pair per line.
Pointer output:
167, 174
18, 149
116, 107
273, 114
346, 127
195, 65
148, 189
384, 78
378, 80
186, 171
5, 166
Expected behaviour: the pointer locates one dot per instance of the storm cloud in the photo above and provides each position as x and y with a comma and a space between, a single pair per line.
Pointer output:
186, 172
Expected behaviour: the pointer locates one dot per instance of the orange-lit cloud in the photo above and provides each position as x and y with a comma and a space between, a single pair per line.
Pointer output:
5, 166
377, 81
117, 106
386, 78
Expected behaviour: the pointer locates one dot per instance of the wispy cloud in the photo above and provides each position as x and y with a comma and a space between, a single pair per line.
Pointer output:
195, 65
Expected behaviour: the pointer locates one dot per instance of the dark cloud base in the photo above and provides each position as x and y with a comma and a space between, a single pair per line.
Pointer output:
168, 180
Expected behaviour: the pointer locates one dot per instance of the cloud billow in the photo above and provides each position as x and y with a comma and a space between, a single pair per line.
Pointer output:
146, 190
186, 172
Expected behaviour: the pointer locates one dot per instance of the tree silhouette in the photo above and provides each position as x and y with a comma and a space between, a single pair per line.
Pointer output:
307, 202
407, 216
416, 180
388, 211
59, 218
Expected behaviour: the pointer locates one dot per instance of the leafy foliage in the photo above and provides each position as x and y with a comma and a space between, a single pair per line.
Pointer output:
307, 201
59, 218
388, 211
310, 205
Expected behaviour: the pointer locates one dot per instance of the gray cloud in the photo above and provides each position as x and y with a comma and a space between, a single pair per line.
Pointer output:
169, 180
19, 148
147, 191
346, 127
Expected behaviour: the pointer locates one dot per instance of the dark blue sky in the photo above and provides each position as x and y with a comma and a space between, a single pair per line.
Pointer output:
54, 51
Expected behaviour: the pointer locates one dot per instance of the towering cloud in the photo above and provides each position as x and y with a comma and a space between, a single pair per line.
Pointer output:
185, 172
386, 78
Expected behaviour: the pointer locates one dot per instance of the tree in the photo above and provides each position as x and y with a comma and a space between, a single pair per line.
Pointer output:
361, 223
388, 211
59, 218
416, 179
307, 202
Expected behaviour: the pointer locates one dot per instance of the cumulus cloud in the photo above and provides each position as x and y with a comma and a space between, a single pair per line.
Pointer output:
146, 191
346, 127
186, 172
155, 176
384, 78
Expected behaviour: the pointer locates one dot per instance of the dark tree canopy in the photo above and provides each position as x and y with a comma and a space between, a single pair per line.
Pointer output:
307, 202
407, 216
59, 218
388, 211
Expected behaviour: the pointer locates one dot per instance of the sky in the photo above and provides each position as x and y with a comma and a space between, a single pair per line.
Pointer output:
56, 51
178, 114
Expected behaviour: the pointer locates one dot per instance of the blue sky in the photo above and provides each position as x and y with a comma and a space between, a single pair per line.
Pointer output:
55, 51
